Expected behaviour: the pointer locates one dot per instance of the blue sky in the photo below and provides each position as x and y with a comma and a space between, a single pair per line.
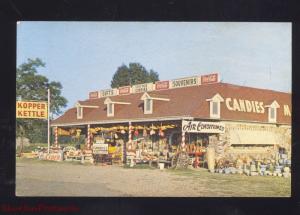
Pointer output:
83, 56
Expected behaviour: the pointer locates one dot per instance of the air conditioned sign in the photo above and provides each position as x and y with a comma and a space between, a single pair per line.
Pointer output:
29, 109
202, 127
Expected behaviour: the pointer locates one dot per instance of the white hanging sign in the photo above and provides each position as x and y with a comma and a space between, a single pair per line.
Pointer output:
202, 127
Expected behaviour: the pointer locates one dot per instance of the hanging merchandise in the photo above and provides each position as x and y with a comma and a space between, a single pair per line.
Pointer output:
78, 131
123, 131
136, 133
152, 132
161, 133
145, 132
116, 136
72, 131
63, 132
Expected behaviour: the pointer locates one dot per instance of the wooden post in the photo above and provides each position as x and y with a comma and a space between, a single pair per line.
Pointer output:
56, 137
129, 133
88, 137
183, 140
48, 118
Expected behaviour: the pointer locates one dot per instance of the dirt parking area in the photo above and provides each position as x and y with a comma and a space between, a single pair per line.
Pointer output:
47, 178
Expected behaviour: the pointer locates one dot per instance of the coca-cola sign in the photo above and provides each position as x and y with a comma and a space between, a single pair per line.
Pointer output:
124, 90
209, 79
93, 95
161, 85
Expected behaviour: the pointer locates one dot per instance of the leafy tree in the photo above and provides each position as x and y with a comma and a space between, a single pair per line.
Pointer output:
32, 86
133, 74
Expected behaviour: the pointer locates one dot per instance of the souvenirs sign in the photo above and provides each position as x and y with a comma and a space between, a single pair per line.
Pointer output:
184, 82
202, 127
29, 109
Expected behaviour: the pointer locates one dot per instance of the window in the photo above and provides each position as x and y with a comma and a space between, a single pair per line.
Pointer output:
272, 114
215, 108
110, 109
148, 106
148, 102
79, 112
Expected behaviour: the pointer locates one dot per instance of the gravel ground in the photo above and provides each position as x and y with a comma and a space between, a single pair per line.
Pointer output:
44, 178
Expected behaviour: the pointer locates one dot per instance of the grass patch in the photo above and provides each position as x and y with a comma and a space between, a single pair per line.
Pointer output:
36, 160
238, 185
34, 146
139, 166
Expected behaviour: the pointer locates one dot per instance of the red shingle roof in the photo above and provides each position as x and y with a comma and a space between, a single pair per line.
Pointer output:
187, 101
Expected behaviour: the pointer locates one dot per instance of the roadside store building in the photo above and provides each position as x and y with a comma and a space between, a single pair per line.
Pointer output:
156, 119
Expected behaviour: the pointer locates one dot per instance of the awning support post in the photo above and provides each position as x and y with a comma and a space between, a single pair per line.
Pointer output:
56, 136
88, 137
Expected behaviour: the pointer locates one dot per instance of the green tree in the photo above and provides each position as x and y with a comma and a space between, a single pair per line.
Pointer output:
32, 86
133, 74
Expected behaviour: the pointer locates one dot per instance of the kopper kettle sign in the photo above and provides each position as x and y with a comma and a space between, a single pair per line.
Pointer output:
202, 127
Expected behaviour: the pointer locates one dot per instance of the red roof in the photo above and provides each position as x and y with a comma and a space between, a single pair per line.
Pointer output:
187, 101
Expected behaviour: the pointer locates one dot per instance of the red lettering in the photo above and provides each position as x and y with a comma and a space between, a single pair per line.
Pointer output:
162, 85
24, 113
19, 105
34, 105
42, 113
124, 90
20, 113
24, 105
213, 78
42, 106
29, 105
